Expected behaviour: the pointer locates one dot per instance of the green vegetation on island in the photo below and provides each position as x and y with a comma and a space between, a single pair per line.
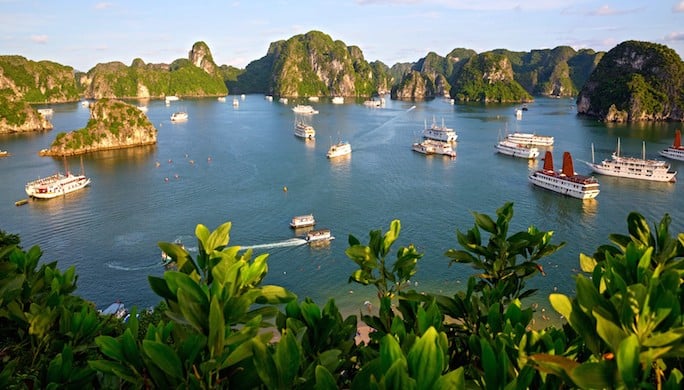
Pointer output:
635, 81
219, 326
113, 124
37, 82
488, 77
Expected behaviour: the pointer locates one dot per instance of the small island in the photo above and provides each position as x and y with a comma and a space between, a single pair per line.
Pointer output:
113, 124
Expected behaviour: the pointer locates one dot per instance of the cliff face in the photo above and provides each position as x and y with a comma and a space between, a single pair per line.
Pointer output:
197, 75
635, 81
312, 65
113, 124
20, 117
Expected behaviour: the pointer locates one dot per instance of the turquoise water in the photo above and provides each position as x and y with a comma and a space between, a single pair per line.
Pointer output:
232, 164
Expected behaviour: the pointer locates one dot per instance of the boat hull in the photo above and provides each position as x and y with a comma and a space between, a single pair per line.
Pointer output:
673, 153
339, 150
55, 186
659, 174
515, 150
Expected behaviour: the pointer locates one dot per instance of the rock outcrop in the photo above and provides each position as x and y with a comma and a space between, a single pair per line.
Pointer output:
113, 124
488, 77
20, 117
635, 81
312, 64
37, 81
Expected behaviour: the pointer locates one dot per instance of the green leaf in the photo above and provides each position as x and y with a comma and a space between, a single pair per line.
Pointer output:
593, 376
611, 333
164, 357
391, 236
219, 237
390, 352
485, 223
286, 357
274, 295
489, 365
628, 361
110, 347
217, 328
426, 360
324, 379
452, 380
587, 263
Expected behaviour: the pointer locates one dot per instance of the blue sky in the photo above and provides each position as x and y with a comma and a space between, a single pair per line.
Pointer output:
84, 33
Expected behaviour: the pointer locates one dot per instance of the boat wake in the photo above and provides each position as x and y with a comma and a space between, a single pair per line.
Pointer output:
138, 268
279, 244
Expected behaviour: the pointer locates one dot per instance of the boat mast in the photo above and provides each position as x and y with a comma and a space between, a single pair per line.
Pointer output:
643, 150
592, 153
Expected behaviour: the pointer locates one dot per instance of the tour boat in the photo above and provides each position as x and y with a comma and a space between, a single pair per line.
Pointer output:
269, 98
439, 133
4, 153
633, 167
338, 100
304, 110
303, 130
56, 185
530, 139
374, 103
301, 221
236, 102
179, 116
515, 149
283, 100
430, 146
116, 309
221, 99
171, 98
566, 181
518, 114
319, 235
339, 149
676, 151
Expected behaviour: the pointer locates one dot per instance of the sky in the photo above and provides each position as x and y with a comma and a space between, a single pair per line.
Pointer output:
82, 34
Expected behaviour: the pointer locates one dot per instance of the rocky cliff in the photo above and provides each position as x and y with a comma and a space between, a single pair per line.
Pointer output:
197, 75
312, 64
113, 124
37, 82
20, 117
635, 81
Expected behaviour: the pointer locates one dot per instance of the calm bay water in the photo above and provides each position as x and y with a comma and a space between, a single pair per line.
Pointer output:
232, 164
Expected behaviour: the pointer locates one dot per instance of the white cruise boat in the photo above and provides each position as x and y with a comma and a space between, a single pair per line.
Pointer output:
304, 110
46, 111
179, 116
221, 99
439, 133
375, 103
530, 139
633, 167
341, 148
676, 151
56, 185
171, 98
566, 181
430, 146
319, 235
301, 221
338, 100
515, 149
303, 130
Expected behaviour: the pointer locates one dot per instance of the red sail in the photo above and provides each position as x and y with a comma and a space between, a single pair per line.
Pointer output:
678, 139
548, 161
568, 169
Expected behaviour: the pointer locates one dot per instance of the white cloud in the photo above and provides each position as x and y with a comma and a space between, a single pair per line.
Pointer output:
39, 38
675, 36
604, 10
103, 5
679, 7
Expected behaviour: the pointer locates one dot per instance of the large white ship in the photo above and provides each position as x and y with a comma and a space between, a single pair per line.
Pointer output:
632, 167
303, 130
56, 185
530, 139
439, 133
515, 149
341, 148
430, 146
304, 110
567, 181
676, 151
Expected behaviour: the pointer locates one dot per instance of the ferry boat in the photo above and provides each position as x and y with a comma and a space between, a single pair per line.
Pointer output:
430, 146
341, 148
566, 181
318, 235
439, 133
338, 100
4, 153
515, 149
221, 99
304, 110
236, 102
179, 116
633, 167
171, 98
375, 103
303, 130
56, 185
530, 139
676, 151
301, 221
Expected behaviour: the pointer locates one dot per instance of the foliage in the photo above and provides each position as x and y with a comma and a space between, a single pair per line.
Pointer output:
488, 77
217, 308
40, 82
214, 327
629, 313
